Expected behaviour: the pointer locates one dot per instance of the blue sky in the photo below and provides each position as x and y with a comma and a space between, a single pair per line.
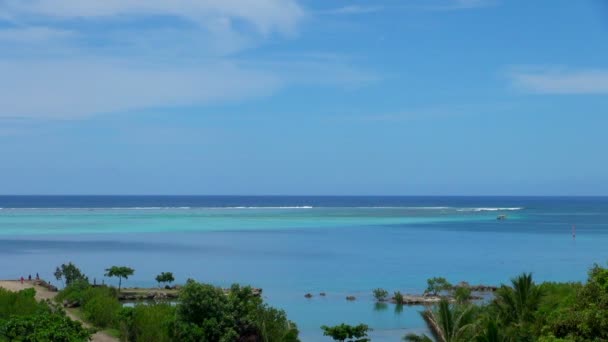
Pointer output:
401, 97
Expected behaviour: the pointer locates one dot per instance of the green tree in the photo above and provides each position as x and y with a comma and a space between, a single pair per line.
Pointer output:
447, 323
70, 273
490, 331
119, 272
398, 297
165, 277
59, 275
462, 294
516, 306
437, 285
380, 294
344, 332
203, 314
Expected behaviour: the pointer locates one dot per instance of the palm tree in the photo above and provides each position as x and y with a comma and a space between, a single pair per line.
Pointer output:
517, 304
490, 332
447, 324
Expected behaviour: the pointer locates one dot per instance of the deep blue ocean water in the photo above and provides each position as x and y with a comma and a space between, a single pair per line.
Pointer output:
292, 245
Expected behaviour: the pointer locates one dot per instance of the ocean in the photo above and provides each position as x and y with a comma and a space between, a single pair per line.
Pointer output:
293, 245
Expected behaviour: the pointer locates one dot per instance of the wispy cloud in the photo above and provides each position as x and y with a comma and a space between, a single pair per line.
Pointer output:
454, 5
64, 61
560, 80
265, 15
354, 9
31, 34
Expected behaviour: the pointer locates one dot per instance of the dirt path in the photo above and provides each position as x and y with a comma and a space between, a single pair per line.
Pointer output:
42, 294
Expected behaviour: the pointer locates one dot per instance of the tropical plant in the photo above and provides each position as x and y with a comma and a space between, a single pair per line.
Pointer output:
490, 331
447, 323
437, 285
165, 277
462, 294
398, 297
70, 273
380, 294
119, 272
516, 306
344, 332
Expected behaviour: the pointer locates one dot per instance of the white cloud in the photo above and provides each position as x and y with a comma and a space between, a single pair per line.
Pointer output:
33, 34
266, 15
48, 71
64, 89
561, 81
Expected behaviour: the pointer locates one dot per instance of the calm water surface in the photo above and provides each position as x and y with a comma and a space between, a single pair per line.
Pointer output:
290, 246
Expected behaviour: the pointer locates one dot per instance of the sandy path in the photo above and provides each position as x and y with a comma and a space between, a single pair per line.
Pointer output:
42, 294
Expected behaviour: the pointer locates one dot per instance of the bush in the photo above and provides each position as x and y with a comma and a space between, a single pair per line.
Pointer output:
380, 294
101, 309
47, 326
147, 322
205, 313
22, 318
343, 332
462, 294
99, 305
19, 303
398, 297
437, 285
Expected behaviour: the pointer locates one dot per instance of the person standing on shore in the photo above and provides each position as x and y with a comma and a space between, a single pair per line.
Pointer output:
22, 280
29, 277
37, 276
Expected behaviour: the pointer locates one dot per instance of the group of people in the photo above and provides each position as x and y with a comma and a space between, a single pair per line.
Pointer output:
29, 278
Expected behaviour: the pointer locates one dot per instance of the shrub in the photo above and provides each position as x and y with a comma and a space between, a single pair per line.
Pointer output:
19, 303
101, 309
462, 294
343, 332
46, 326
380, 294
437, 285
147, 322
398, 297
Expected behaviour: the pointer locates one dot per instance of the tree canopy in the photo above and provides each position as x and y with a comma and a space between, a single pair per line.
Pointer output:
119, 272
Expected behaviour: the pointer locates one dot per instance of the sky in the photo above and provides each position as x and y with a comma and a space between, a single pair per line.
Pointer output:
315, 97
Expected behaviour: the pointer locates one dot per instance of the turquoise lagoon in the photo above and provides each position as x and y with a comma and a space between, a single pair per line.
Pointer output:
290, 246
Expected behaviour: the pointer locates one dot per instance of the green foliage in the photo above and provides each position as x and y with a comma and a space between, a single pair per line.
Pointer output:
584, 315
144, 323
70, 273
344, 332
165, 277
462, 294
119, 272
448, 323
517, 306
202, 314
380, 294
22, 318
47, 326
19, 303
99, 304
206, 313
101, 308
398, 297
437, 285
